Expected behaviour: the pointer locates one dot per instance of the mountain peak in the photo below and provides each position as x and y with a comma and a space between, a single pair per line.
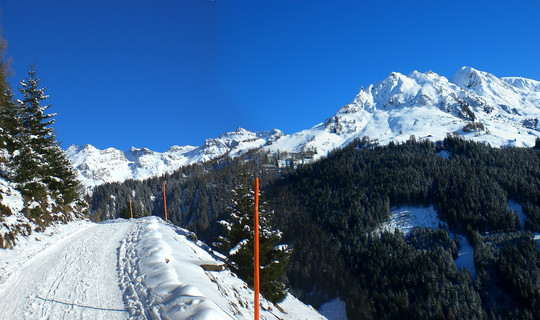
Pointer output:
180, 149
86, 148
241, 130
468, 69
139, 150
470, 78
395, 75
238, 134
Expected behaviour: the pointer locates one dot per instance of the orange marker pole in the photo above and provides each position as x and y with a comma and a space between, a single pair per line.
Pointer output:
164, 200
256, 245
130, 209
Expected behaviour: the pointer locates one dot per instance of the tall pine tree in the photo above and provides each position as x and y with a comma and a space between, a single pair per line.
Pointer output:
42, 168
10, 121
238, 240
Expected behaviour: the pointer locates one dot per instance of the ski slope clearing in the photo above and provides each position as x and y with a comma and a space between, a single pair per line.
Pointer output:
408, 217
125, 269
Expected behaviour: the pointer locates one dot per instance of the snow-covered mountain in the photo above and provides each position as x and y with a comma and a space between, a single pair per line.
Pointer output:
95, 167
472, 103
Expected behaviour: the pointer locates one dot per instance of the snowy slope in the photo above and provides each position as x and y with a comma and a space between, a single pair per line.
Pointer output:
14, 223
124, 269
472, 103
407, 218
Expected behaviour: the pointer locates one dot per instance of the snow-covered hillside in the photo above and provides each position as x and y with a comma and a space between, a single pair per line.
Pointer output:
472, 103
125, 269
13, 221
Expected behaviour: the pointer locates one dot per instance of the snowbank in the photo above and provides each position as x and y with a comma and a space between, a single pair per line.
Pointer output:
126, 269
177, 287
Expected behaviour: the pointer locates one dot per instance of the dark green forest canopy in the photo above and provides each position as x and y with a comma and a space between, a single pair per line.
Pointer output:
328, 211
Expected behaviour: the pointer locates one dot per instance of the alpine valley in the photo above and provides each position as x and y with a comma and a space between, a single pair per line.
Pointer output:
420, 199
474, 104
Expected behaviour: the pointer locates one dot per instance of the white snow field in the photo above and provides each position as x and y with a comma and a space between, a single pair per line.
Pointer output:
125, 269
334, 310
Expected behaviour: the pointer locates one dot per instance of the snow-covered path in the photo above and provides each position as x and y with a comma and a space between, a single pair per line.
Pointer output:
74, 278
125, 269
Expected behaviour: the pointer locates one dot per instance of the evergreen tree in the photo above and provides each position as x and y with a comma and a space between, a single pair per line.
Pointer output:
238, 243
33, 141
10, 124
41, 166
37, 124
60, 176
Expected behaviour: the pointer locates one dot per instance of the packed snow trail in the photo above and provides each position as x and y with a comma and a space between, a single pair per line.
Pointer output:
74, 278
125, 269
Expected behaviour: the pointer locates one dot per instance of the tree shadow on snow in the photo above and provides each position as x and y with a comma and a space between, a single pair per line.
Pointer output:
71, 304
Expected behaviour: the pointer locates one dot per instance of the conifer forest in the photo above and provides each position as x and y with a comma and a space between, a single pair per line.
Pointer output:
329, 212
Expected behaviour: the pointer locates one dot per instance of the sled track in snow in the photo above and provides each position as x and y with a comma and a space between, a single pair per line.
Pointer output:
135, 295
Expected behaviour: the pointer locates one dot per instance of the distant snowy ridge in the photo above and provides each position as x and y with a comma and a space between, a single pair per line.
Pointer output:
95, 167
475, 104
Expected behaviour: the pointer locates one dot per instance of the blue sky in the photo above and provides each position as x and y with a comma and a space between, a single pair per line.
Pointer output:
175, 72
